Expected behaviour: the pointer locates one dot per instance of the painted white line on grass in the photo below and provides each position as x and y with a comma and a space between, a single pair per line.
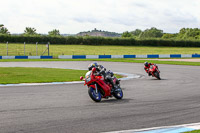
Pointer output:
127, 77
33, 84
163, 129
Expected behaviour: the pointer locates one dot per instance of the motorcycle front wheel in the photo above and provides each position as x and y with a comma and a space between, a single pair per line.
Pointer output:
118, 93
93, 95
157, 75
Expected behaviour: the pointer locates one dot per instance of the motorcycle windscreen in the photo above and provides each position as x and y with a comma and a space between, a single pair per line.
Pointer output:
88, 76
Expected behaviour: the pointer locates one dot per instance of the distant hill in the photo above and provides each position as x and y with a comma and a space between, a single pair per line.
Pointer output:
96, 32
67, 34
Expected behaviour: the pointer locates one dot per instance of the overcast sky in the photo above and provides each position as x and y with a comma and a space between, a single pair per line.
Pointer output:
73, 16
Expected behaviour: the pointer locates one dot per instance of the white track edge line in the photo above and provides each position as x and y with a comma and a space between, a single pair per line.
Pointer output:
127, 77
154, 128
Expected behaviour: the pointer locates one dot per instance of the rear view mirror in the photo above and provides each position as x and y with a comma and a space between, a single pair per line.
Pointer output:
81, 77
93, 69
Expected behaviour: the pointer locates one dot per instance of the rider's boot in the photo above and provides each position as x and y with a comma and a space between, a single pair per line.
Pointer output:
114, 88
149, 73
112, 83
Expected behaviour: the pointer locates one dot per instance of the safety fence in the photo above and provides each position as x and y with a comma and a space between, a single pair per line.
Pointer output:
37, 49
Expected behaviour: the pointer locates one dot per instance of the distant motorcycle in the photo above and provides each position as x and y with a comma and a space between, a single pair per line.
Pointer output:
98, 88
155, 71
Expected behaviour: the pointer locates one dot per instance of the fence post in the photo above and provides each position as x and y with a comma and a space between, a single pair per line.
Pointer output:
36, 49
24, 49
7, 48
48, 48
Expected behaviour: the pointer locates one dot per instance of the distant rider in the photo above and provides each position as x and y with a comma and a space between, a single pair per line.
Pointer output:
100, 70
146, 67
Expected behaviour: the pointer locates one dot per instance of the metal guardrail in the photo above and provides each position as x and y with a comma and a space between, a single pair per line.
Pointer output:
104, 56
128, 56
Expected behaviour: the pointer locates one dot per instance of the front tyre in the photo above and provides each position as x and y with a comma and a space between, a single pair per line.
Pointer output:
93, 95
118, 93
157, 75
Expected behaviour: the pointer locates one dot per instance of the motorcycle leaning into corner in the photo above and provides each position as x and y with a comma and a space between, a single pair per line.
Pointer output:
98, 88
154, 71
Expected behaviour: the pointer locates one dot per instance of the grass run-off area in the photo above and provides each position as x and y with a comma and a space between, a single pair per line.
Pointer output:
13, 75
195, 131
108, 60
55, 50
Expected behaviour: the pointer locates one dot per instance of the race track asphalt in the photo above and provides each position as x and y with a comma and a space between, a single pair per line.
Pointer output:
147, 102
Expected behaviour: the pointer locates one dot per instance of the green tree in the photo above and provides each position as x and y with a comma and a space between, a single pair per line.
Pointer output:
127, 34
151, 33
136, 32
168, 36
189, 33
3, 30
30, 31
54, 32
198, 37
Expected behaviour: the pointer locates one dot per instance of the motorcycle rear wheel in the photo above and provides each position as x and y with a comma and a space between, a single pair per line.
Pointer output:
93, 95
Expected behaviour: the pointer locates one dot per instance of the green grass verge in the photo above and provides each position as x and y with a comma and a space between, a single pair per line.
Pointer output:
195, 131
55, 50
118, 76
14, 75
109, 60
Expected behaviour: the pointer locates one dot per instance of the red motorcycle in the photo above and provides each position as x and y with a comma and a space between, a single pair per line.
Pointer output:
98, 88
155, 71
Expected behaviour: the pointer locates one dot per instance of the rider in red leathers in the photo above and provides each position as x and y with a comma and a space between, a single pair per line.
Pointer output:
146, 67
100, 70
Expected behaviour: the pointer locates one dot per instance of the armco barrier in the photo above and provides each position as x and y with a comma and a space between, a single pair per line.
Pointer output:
26, 57
21, 57
196, 56
152, 56
175, 56
79, 56
46, 57
104, 56
128, 56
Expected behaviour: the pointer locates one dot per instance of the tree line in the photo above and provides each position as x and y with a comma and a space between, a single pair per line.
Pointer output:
187, 37
28, 31
95, 40
184, 33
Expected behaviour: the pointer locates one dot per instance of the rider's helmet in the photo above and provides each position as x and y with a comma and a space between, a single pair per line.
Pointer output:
90, 66
146, 64
110, 73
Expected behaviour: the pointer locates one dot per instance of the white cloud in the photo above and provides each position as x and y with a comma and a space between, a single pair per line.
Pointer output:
113, 15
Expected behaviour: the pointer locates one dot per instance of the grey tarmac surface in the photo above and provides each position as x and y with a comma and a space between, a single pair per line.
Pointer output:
147, 102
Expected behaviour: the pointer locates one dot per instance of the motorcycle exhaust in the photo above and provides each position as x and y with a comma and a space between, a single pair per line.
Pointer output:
96, 88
